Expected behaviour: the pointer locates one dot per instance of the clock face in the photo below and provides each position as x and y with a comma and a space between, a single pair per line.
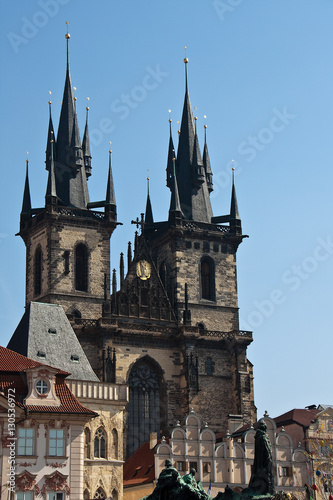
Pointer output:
143, 269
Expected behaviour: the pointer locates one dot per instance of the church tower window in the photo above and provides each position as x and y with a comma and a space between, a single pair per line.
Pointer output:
207, 275
81, 268
144, 404
38, 271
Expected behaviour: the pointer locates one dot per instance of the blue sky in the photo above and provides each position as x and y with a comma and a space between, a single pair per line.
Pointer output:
262, 72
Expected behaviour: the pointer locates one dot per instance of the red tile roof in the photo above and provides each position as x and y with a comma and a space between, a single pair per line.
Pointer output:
139, 468
12, 375
11, 361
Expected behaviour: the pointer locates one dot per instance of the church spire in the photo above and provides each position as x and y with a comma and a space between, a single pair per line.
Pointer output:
50, 137
26, 204
175, 210
171, 155
86, 146
235, 220
206, 164
110, 196
149, 219
192, 185
51, 190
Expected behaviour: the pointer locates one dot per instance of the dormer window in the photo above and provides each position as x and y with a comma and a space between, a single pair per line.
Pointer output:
75, 358
41, 354
42, 387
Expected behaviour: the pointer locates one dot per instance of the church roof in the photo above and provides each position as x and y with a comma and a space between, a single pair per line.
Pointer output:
45, 334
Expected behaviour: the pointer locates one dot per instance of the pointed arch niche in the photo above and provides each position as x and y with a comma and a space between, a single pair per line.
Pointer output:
207, 278
147, 408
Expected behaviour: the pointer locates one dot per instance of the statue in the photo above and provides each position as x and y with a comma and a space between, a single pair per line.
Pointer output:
262, 478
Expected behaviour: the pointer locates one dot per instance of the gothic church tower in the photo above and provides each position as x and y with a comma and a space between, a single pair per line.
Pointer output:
67, 242
170, 330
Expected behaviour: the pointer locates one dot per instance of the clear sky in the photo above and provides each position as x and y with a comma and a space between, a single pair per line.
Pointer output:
262, 72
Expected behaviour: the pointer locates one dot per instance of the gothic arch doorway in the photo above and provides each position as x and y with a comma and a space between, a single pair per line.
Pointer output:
147, 402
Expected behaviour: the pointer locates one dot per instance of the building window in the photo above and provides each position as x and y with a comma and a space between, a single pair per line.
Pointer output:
194, 465
100, 493
206, 467
115, 444
99, 445
56, 443
42, 387
24, 495
55, 495
207, 275
38, 271
25, 441
144, 415
87, 442
180, 466
81, 268
286, 471
209, 366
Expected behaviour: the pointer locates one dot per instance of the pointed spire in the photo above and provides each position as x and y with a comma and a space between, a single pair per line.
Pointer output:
149, 219
171, 155
50, 137
206, 163
121, 269
51, 191
234, 214
26, 204
129, 255
110, 196
175, 210
185, 62
86, 146
114, 282
76, 147
197, 172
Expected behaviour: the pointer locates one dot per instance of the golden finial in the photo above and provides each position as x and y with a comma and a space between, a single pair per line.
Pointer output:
87, 108
27, 160
67, 36
185, 58
170, 116
110, 147
50, 102
195, 116
233, 167
178, 131
205, 125
148, 174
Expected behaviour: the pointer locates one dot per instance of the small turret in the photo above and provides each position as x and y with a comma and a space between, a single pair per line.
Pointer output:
235, 220
86, 146
26, 203
206, 164
149, 219
50, 137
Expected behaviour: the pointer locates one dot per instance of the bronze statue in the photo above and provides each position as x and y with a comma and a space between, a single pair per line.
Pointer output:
262, 478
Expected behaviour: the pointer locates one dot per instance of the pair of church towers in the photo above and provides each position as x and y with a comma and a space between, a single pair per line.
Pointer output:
171, 330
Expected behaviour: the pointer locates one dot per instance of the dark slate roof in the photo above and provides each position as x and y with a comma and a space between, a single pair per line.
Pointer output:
301, 417
12, 368
33, 335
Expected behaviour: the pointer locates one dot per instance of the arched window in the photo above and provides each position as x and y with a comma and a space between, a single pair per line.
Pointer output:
145, 403
207, 275
100, 493
115, 444
87, 442
100, 445
81, 267
38, 271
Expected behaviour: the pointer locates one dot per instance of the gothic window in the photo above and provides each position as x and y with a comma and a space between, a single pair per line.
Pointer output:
81, 267
115, 444
38, 271
26, 440
86, 443
207, 275
100, 493
209, 366
86, 495
144, 404
100, 445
